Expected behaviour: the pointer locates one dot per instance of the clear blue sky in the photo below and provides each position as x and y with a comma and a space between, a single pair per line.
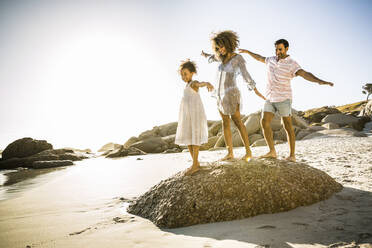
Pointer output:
85, 73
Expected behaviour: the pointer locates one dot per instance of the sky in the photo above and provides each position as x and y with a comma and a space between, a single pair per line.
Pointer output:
85, 73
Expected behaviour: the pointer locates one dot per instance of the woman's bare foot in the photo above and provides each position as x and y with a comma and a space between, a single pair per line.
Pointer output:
291, 158
271, 154
193, 169
247, 157
227, 157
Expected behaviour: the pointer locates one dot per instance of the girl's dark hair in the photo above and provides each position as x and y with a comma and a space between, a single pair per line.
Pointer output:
282, 41
189, 65
228, 39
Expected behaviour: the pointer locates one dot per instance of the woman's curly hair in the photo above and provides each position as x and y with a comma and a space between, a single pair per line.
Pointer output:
189, 65
228, 39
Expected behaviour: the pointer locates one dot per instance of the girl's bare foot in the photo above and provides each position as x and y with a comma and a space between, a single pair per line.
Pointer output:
192, 170
227, 157
271, 154
291, 158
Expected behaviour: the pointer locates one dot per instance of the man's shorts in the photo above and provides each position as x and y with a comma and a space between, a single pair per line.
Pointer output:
283, 108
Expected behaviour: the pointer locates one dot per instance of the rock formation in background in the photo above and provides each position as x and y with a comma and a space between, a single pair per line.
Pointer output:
31, 153
348, 119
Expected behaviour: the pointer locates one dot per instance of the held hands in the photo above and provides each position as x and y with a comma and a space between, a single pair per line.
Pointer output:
206, 55
210, 87
259, 94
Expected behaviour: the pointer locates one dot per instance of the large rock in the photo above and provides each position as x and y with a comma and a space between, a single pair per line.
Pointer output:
340, 119
123, 152
280, 135
168, 129
302, 134
25, 147
44, 156
109, 147
259, 142
220, 142
210, 144
129, 142
230, 191
215, 128
151, 145
252, 124
317, 114
299, 121
237, 140
359, 126
254, 137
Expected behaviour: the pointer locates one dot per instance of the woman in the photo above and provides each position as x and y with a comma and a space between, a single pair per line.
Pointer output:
228, 95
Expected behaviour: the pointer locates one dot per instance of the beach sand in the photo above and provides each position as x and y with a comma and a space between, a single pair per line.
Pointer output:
84, 205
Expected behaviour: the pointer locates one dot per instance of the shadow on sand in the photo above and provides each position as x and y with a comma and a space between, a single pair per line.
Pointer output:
343, 219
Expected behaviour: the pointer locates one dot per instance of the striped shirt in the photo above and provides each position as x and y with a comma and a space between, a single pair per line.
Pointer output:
279, 75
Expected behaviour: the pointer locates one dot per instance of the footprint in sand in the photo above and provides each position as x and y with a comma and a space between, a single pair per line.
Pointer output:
300, 224
266, 227
79, 232
123, 219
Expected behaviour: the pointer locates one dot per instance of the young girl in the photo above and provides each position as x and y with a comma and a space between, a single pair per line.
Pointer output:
192, 129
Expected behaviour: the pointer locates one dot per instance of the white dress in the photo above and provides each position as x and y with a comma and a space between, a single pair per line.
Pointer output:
192, 126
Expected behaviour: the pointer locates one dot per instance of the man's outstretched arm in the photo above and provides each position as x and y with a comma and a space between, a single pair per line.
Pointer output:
254, 55
310, 77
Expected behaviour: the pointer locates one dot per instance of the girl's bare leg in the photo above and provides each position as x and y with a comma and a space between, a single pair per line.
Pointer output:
195, 165
243, 134
190, 150
228, 137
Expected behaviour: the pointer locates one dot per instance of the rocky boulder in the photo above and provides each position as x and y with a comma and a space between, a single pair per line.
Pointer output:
151, 145
44, 156
130, 142
317, 114
168, 129
233, 190
123, 152
25, 147
210, 144
109, 147
340, 119
252, 124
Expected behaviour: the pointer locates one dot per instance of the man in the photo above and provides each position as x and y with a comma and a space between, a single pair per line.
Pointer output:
281, 69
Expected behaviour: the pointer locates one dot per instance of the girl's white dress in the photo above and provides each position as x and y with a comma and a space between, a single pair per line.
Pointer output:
192, 126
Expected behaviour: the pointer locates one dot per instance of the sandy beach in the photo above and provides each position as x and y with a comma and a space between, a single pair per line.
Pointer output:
84, 205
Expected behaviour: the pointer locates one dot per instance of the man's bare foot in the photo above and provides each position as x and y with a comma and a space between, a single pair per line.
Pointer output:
269, 155
193, 169
291, 158
247, 157
227, 157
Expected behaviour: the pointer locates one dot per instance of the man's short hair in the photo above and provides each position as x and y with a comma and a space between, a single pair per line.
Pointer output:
282, 41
